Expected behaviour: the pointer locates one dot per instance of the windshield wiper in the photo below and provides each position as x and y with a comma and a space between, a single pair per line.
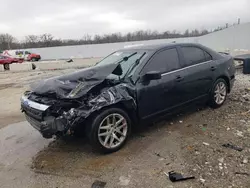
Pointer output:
137, 61
126, 58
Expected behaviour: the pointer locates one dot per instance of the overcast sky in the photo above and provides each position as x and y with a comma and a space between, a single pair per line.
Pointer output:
74, 18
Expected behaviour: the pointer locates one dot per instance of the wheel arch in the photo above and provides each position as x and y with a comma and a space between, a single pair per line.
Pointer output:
124, 105
224, 77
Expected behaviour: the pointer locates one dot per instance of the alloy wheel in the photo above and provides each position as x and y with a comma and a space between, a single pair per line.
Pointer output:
113, 131
220, 93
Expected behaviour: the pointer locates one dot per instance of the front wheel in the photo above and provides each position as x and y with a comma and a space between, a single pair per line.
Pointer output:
6, 67
218, 93
109, 130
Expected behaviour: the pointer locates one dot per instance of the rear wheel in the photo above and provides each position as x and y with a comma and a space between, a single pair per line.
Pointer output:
218, 93
33, 59
6, 67
109, 130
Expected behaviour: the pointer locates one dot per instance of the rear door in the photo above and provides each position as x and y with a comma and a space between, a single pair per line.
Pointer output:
197, 71
158, 96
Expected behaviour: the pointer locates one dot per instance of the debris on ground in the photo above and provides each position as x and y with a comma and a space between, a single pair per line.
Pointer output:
221, 160
206, 144
33, 66
245, 161
242, 173
247, 89
239, 133
245, 113
69, 60
232, 147
202, 180
124, 181
174, 177
159, 155
98, 184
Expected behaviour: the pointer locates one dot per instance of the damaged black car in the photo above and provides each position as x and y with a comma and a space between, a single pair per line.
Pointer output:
129, 87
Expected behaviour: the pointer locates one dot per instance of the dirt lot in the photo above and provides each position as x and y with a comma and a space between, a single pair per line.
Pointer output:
190, 143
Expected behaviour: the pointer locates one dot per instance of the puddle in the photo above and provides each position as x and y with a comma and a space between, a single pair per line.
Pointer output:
18, 144
75, 157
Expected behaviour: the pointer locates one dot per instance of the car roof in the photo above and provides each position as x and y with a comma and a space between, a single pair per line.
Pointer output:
156, 47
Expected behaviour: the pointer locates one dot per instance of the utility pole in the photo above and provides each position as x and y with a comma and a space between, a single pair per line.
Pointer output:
238, 21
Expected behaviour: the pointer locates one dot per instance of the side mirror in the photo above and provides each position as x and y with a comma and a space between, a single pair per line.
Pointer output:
152, 75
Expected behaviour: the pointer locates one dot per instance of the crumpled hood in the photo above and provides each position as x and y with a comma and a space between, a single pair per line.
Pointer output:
73, 85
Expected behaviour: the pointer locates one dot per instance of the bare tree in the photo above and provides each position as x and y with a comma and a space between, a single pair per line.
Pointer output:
6, 41
31, 41
46, 39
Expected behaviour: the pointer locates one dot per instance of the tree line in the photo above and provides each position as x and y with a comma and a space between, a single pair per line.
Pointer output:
8, 41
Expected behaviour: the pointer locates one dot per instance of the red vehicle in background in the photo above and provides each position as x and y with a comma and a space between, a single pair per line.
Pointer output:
33, 57
6, 61
22, 54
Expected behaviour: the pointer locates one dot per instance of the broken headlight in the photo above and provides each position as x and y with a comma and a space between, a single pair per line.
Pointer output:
70, 114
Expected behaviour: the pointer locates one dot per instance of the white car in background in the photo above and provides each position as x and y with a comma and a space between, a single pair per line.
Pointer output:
22, 55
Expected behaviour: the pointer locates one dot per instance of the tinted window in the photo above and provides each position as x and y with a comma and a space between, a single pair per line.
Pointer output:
208, 56
164, 61
194, 55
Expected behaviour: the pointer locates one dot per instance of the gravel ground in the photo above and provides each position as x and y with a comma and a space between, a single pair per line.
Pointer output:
189, 143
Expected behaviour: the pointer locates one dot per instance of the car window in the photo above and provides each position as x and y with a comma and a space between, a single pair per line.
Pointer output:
26, 52
208, 56
193, 55
125, 65
1, 57
163, 61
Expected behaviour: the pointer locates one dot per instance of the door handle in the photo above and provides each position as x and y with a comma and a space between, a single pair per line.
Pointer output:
179, 78
213, 68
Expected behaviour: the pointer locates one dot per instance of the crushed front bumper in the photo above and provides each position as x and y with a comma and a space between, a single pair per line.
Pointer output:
50, 126
36, 114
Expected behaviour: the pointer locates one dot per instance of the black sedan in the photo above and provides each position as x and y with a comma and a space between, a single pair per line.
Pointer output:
129, 87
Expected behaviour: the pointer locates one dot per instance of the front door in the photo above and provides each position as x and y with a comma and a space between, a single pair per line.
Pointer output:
157, 96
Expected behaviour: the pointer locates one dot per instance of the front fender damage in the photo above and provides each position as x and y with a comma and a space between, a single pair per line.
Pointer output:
73, 98
118, 94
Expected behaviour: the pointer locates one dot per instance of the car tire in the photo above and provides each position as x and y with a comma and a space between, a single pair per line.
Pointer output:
218, 93
109, 130
33, 59
6, 66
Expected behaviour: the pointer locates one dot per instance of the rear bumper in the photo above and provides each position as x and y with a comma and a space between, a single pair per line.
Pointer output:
51, 126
